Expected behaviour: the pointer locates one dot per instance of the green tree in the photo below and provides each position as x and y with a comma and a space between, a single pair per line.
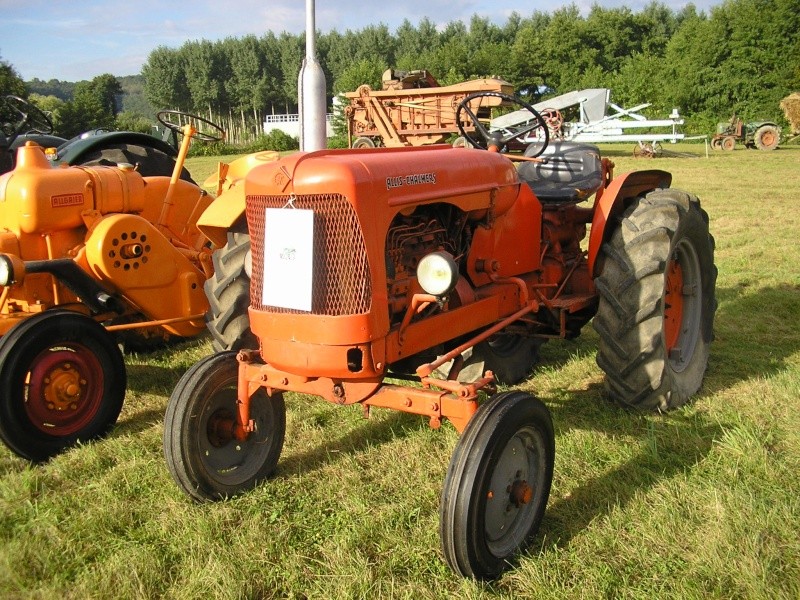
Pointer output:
52, 106
93, 106
129, 121
291, 50
412, 42
207, 69
10, 81
164, 75
247, 88
364, 71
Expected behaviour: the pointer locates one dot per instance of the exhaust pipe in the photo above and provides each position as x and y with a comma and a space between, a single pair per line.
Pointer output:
311, 91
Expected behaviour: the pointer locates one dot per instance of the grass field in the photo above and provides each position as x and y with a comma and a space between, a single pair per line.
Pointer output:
703, 502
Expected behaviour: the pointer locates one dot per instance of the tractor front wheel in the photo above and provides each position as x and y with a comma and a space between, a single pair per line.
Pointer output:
728, 143
497, 485
62, 380
657, 302
205, 457
363, 142
228, 293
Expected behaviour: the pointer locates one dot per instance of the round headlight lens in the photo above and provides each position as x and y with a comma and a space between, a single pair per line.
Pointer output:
6, 271
437, 273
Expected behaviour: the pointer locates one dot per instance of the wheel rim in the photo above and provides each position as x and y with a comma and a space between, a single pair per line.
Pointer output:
228, 460
682, 305
64, 389
511, 500
768, 138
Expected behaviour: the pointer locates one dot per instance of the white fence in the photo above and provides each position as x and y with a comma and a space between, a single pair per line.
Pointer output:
290, 124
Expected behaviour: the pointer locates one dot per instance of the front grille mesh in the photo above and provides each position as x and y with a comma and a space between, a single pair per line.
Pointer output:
341, 279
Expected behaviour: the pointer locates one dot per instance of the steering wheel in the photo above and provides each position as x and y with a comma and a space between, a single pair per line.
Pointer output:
29, 114
499, 139
206, 134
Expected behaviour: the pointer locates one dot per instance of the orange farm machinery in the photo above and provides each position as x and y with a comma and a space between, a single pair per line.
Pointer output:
375, 266
92, 257
412, 109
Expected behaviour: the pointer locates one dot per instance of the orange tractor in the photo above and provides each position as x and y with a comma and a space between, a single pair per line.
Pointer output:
91, 256
370, 264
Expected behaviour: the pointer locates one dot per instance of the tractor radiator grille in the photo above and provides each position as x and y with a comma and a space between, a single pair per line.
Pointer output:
341, 279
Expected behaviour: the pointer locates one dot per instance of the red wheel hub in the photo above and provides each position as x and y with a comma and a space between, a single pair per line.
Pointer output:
64, 390
673, 304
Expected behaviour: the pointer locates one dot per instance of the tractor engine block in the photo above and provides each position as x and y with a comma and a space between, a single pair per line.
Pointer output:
409, 239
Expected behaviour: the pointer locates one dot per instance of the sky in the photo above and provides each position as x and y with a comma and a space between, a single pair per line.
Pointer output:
74, 41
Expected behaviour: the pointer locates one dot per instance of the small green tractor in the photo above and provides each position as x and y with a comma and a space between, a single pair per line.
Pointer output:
764, 135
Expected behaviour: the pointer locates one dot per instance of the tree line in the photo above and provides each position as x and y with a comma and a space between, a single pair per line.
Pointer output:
741, 57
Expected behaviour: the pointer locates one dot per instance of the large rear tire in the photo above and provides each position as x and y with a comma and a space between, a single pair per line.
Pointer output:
657, 302
203, 455
62, 381
228, 293
148, 161
497, 485
509, 356
766, 137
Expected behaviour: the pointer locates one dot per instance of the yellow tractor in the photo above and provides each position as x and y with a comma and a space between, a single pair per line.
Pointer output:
90, 255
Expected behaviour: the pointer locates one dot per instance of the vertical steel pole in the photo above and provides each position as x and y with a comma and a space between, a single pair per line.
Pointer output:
311, 91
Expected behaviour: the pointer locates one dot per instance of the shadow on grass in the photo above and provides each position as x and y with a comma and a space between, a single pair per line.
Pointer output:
670, 444
396, 425
755, 336
153, 380
755, 333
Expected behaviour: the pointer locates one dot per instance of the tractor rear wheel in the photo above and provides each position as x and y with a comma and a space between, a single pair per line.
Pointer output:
509, 356
203, 455
149, 161
228, 293
657, 302
766, 137
497, 485
63, 381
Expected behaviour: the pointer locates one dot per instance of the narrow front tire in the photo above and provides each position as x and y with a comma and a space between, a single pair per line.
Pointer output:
203, 455
497, 485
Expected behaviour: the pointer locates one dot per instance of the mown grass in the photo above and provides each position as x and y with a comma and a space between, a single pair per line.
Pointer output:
703, 502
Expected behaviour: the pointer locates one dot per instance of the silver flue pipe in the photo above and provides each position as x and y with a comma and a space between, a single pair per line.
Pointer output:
311, 91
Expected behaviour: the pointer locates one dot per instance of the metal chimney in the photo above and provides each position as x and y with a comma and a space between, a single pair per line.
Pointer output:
311, 91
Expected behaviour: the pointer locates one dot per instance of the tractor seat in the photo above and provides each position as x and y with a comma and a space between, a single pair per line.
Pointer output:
570, 172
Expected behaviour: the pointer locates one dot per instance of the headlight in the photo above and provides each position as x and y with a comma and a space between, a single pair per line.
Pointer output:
12, 270
437, 273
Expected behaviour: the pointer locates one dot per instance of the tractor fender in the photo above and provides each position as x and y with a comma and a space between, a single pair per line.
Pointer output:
614, 199
223, 214
227, 212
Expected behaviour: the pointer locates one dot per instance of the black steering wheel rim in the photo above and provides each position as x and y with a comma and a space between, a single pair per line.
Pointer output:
30, 115
162, 117
495, 138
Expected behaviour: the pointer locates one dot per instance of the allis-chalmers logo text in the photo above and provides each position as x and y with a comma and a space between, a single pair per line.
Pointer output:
415, 179
66, 200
